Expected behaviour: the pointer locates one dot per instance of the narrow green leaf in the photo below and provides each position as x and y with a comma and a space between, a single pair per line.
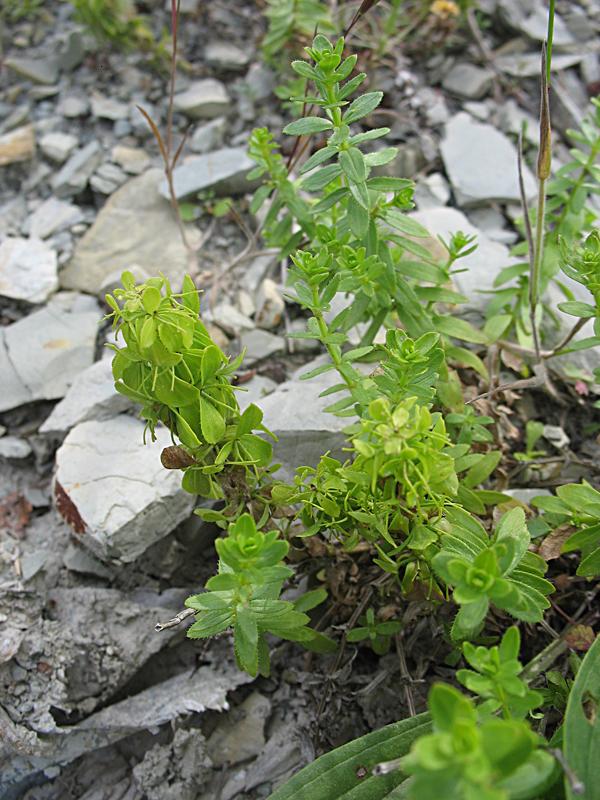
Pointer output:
308, 125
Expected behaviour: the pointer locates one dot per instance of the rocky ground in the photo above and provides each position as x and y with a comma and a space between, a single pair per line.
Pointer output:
97, 541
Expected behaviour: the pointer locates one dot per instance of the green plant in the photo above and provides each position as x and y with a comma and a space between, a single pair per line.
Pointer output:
576, 505
289, 20
244, 596
378, 634
411, 491
115, 22
17, 10
471, 754
501, 571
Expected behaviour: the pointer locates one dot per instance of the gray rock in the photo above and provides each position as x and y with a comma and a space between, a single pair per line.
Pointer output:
254, 391
134, 226
53, 216
108, 107
208, 137
71, 51
223, 172
259, 345
13, 448
477, 109
527, 65
240, 736
58, 146
91, 397
118, 491
482, 163
12, 215
225, 55
133, 160
75, 174
191, 691
73, 106
107, 178
176, 771
434, 106
260, 81
41, 354
511, 118
481, 266
230, 319
492, 223
467, 80
77, 559
28, 270
269, 304
17, 145
43, 70
536, 27
432, 191
204, 99
294, 413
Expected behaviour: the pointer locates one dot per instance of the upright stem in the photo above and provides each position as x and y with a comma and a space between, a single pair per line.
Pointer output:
538, 250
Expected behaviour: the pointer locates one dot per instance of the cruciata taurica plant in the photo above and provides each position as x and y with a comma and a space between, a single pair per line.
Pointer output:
406, 477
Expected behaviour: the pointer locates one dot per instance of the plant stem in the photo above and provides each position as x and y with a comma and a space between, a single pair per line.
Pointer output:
538, 252
549, 40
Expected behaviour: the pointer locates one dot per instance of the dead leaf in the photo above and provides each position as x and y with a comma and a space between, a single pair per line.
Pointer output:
552, 545
15, 511
581, 637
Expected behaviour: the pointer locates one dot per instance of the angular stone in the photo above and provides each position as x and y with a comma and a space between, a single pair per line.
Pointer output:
107, 178
52, 217
134, 226
467, 80
203, 99
223, 172
43, 70
482, 163
209, 136
432, 191
294, 413
13, 448
536, 27
41, 354
259, 345
75, 174
230, 319
527, 65
114, 490
225, 55
17, 145
270, 305
28, 270
240, 735
108, 107
58, 146
133, 160
91, 397
72, 106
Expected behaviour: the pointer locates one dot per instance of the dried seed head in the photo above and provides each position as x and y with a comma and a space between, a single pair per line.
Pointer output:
545, 153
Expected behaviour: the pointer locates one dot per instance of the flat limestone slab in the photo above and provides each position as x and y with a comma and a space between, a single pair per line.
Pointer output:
113, 489
135, 226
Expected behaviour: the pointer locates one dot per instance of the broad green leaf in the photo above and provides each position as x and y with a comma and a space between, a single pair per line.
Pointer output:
190, 297
211, 421
582, 727
151, 298
482, 469
346, 772
321, 178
